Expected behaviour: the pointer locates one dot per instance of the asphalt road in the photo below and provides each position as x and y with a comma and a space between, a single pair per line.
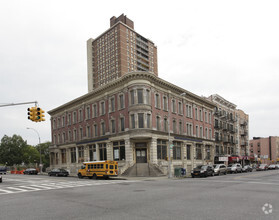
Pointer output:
236, 196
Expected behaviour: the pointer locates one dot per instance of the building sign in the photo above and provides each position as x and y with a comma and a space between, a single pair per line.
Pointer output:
223, 159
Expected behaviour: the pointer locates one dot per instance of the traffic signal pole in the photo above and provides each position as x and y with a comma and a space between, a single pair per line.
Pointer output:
22, 103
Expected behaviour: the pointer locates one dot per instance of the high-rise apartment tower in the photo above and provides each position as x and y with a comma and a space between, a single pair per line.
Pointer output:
117, 51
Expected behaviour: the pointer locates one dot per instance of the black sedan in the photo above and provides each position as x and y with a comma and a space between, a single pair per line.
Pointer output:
58, 172
30, 171
202, 170
0, 179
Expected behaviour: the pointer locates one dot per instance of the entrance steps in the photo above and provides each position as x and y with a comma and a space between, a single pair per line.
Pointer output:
143, 170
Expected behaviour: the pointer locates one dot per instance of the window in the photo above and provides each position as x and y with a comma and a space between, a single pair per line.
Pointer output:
112, 105
174, 126
198, 152
70, 136
196, 113
88, 112
102, 110
205, 117
197, 131
80, 115
81, 154
63, 121
122, 124
103, 151
148, 97
69, 119
132, 97
95, 130
119, 150
92, 152
158, 123
157, 101
148, 117
140, 96
133, 123
121, 101
161, 149
206, 133
180, 108
95, 112
173, 106
165, 103
103, 129
88, 131
201, 115
73, 155
165, 125
112, 126
201, 132
180, 127
75, 135
188, 152
140, 120
176, 150
75, 117
80, 133
209, 118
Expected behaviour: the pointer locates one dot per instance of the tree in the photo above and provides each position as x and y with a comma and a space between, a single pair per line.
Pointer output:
30, 154
44, 147
11, 150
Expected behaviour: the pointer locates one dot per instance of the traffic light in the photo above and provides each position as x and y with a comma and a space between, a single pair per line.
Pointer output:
42, 114
31, 113
36, 114
39, 115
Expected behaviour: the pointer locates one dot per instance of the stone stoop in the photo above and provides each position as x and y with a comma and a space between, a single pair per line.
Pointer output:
143, 170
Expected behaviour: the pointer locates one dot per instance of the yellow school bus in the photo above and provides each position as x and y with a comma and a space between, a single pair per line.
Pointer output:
94, 169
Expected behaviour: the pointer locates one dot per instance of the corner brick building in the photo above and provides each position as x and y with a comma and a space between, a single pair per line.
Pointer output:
132, 116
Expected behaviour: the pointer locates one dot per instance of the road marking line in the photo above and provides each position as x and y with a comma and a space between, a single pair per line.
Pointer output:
40, 186
18, 189
30, 188
6, 191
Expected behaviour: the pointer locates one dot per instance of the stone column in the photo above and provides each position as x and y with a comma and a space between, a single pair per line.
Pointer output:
128, 152
109, 151
97, 152
76, 155
153, 151
86, 153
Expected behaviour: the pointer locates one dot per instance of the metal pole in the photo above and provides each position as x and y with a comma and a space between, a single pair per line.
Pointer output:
40, 148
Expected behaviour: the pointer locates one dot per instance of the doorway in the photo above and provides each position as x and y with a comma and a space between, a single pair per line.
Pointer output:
141, 153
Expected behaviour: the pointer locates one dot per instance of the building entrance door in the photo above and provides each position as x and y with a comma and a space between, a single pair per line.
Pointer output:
141, 153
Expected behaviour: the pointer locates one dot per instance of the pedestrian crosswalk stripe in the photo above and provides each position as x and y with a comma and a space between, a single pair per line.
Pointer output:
57, 185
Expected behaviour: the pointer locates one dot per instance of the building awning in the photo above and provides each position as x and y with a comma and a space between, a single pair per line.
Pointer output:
234, 159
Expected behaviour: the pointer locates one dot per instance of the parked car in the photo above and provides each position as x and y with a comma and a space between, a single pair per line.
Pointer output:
277, 166
202, 170
272, 167
0, 179
30, 171
262, 167
234, 168
220, 169
58, 172
3, 170
247, 168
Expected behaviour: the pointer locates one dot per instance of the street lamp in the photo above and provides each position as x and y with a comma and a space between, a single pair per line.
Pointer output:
40, 148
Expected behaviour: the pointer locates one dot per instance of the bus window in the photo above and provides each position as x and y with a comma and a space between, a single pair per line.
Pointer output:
115, 166
98, 166
95, 166
83, 167
102, 166
106, 166
111, 166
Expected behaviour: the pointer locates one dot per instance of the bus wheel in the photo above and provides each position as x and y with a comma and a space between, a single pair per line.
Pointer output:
94, 176
80, 176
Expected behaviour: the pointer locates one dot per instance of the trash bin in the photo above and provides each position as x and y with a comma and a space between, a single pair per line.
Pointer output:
183, 172
177, 172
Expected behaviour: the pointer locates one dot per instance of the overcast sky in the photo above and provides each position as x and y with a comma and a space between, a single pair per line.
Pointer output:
230, 48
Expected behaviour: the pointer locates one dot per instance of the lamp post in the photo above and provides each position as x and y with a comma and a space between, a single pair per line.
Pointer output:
40, 148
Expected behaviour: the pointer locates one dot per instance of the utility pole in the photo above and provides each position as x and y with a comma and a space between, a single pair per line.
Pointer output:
22, 103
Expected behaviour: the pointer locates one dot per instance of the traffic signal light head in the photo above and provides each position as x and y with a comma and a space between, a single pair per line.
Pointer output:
36, 114
31, 113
